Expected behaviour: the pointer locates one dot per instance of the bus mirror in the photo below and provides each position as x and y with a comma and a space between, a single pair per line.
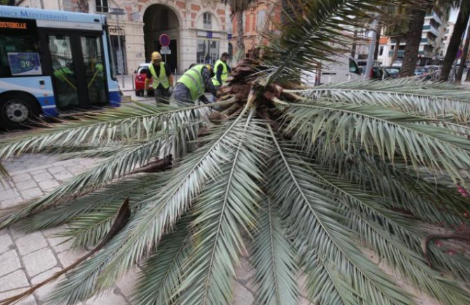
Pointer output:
353, 67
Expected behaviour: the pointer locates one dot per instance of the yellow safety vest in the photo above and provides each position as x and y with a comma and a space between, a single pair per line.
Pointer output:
193, 80
224, 76
161, 79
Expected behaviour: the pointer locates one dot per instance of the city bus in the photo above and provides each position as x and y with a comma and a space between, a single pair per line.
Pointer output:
53, 62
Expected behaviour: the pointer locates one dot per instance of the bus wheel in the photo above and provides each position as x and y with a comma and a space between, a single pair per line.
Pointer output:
17, 109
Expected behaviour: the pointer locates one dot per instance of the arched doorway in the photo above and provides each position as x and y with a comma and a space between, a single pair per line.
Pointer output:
160, 19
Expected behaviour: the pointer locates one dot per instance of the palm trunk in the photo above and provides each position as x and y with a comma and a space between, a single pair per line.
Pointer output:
413, 40
354, 45
83, 6
395, 51
377, 43
240, 33
454, 44
463, 60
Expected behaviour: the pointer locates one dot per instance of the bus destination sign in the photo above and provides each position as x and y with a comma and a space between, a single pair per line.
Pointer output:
13, 25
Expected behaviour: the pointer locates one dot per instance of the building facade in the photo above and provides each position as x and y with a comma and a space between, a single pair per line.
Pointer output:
198, 29
431, 48
256, 19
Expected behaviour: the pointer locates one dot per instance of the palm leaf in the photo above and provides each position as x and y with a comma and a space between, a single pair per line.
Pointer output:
317, 219
163, 270
224, 210
274, 261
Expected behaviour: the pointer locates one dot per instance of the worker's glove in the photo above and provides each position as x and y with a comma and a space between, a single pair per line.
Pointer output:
170, 90
146, 94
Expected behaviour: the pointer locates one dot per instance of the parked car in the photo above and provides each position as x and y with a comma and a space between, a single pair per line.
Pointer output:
140, 75
392, 72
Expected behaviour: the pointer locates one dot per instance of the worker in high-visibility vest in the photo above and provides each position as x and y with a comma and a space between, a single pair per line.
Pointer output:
221, 70
193, 84
162, 79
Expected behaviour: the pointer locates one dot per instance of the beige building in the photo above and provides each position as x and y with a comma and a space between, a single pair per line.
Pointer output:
198, 29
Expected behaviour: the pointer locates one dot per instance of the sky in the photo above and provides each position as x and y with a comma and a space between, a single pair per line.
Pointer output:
453, 15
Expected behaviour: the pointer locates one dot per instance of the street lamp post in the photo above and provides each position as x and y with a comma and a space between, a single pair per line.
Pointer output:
119, 12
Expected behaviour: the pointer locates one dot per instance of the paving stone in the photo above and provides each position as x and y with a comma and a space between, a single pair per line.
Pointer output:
127, 283
245, 271
11, 202
30, 243
21, 178
56, 169
26, 185
67, 258
8, 194
9, 262
61, 244
38, 172
42, 177
108, 298
16, 232
39, 261
6, 185
63, 175
5, 244
13, 280
48, 185
28, 301
45, 291
32, 193
242, 295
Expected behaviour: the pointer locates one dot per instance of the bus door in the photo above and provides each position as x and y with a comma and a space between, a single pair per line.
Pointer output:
75, 62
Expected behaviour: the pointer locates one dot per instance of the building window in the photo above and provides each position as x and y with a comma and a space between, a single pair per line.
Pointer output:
207, 51
207, 19
260, 22
381, 51
102, 6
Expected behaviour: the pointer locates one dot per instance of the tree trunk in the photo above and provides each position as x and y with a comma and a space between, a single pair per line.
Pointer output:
83, 6
395, 51
463, 59
240, 33
377, 43
354, 45
454, 43
413, 40
41, 2
467, 79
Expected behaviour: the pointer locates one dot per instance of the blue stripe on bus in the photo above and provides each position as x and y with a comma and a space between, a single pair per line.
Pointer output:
114, 99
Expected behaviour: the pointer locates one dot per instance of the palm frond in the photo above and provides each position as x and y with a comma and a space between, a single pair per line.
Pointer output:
118, 166
382, 131
426, 197
318, 219
419, 98
163, 270
224, 212
318, 34
274, 261
324, 283
126, 125
371, 220
148, 225
130, 187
